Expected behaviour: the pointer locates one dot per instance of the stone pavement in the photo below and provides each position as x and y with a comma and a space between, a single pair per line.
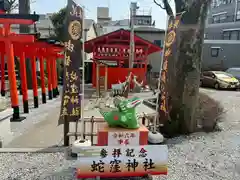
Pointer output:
43, 134
40, 128
12, 132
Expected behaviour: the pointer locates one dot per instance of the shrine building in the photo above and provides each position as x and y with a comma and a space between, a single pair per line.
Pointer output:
112, 49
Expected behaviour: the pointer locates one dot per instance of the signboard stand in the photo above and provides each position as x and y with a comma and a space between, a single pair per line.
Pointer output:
65, 131
122, 161
120, 152
72, 105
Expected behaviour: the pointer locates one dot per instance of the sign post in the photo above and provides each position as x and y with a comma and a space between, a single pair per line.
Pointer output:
170, 47
122, 161
72, 93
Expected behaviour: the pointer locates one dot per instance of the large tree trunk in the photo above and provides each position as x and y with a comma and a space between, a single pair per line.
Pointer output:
24, 8
184, 72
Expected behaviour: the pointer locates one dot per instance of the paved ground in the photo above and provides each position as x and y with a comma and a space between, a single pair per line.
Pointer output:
43, 134
14, 130
41, 129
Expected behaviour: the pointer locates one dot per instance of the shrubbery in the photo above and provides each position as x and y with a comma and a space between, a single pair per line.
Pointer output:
208, 113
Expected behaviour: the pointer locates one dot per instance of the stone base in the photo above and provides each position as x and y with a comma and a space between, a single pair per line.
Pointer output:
76, 146
19, 119
155, 138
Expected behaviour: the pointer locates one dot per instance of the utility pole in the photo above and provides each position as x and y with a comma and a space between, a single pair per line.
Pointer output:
133, 8
24, 8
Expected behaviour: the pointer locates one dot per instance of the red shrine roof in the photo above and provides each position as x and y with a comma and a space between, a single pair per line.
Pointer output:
120, 37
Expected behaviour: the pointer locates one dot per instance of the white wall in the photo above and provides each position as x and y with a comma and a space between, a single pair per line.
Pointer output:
91, 34
109, 29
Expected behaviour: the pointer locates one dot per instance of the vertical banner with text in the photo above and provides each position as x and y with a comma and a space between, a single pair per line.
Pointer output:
71, 98
170, 50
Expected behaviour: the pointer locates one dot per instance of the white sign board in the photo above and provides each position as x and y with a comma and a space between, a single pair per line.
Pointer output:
120, 161
130, 138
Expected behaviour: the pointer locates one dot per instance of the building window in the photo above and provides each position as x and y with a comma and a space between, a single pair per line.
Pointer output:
205, 36
216, 3
231, 35
220, 18
139, 22
216, 19
226, 1
146, 22
238, 16
234, 35
226, 35
158, 42
214, 51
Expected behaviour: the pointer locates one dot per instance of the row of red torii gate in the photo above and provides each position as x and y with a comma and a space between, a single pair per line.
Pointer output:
27, 47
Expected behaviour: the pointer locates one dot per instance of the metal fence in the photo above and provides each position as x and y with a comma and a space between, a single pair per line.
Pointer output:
91, 125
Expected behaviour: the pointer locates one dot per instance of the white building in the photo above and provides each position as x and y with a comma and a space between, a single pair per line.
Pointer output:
144, 27
141, 18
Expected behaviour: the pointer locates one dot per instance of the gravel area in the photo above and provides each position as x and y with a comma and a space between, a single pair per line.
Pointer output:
35, 166
213, 156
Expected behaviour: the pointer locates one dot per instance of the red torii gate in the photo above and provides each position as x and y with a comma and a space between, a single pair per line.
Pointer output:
7, 20
52, 52
41, 50
16, 38
9, 39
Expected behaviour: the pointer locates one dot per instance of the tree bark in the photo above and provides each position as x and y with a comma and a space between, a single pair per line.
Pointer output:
24, 8
183, 76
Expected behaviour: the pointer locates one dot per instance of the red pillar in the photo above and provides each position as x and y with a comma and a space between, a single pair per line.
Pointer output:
3, 74
23, 75
55, 75
12, 82
44, 99
34, 81
94, 80
12, 76
49, 78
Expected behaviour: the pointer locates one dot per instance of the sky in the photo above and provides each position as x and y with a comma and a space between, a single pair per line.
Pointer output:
119, 9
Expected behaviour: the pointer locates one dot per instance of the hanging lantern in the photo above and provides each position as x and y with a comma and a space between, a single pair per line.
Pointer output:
99, 51
103, 51
111, 52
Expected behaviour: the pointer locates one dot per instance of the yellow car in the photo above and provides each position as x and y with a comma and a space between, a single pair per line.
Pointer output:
219, 80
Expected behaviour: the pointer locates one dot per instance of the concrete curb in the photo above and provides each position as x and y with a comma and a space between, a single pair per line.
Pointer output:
33, 150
